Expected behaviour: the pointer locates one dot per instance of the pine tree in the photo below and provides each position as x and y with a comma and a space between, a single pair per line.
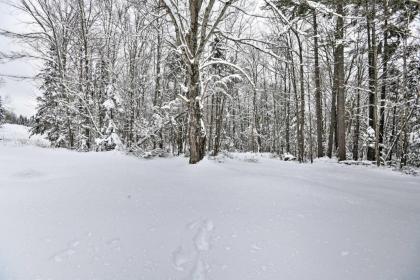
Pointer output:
48, 119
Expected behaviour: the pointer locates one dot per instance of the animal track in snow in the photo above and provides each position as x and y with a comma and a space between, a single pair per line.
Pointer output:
195, 258
202, 238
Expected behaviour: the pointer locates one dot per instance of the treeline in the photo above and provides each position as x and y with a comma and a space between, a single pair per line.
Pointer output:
13, 118
308, 78
7, 116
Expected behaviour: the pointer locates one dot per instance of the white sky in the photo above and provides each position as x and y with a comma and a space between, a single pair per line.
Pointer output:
19, 95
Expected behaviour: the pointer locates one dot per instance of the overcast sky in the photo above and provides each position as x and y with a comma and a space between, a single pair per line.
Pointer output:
19, 95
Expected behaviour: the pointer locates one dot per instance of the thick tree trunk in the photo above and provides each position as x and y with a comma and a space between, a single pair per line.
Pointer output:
197, 131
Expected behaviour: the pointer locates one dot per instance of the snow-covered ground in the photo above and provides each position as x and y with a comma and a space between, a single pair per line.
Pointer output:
66, 215
18, 135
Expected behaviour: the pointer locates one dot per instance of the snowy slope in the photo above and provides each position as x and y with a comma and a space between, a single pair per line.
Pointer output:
12, 134
67, 216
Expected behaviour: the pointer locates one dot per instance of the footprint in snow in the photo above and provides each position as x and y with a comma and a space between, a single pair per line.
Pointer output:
202, 238
195, 258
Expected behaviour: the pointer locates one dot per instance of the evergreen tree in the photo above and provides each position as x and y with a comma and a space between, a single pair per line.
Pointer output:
48, 119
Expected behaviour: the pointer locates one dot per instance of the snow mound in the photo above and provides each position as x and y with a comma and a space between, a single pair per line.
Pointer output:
18, 135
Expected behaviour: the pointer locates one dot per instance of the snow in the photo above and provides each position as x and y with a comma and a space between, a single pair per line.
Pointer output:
288, 156
109, 104
67, 215
18, 135
234, 66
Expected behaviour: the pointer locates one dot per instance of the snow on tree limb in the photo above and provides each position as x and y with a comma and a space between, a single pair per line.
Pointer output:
222, 62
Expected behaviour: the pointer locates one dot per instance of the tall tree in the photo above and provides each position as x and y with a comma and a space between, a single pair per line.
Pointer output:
341, 129
372, 49
192, 37
318, 97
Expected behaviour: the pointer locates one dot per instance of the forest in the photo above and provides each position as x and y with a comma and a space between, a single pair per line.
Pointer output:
210, 139
299, 79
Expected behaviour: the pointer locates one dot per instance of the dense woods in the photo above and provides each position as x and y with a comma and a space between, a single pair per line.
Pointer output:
196, 77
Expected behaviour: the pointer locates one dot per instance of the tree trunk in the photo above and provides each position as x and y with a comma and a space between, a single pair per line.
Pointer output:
384, 79
301, 112
311, 145
288, 92
341, 129
333, 121
157, 98
318, 98
197, 131
85, 77
356, 134
372, 75
219, 124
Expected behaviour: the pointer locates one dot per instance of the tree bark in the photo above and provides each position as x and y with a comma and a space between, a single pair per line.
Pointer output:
372, 75
356, 134
197, 131
301, 115
384, 80
341, 129
333, 119
318, 98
